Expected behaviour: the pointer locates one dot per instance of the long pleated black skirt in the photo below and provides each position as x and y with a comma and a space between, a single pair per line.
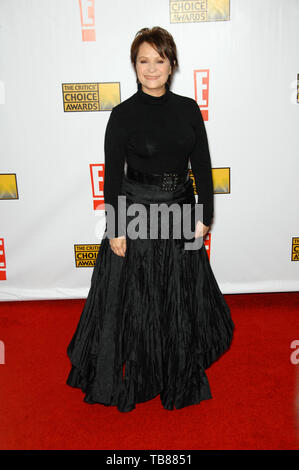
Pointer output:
153, 321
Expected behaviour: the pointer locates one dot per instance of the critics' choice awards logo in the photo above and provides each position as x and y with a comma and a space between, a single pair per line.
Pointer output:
8, 186
86, 255
221, 180
186, 11
84, 97
8, 191
295, 249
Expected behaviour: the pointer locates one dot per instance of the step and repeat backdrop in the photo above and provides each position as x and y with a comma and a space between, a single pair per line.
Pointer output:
65, 64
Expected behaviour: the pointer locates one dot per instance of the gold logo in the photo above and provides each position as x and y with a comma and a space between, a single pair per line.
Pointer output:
221, 180
295, 249
86, 255
8, 186
86, 97
188, 11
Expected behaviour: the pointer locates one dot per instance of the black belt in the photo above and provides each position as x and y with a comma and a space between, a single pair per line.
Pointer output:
166, 181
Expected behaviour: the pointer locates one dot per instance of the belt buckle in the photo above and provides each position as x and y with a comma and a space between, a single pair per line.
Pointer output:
169, 181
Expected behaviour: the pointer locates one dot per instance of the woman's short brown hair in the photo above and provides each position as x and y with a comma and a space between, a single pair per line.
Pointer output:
161, 40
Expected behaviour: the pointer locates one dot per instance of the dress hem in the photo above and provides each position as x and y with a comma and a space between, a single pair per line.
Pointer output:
129, 408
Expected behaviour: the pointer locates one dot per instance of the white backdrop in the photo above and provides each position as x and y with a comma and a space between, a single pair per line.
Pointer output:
252, 128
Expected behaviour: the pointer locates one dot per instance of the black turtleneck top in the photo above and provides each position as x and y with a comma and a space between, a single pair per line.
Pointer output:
157, 134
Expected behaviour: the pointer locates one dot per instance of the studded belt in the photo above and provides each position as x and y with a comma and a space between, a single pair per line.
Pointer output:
166, 181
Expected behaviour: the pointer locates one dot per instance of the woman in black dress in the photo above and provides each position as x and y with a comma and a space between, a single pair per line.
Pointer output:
154, 318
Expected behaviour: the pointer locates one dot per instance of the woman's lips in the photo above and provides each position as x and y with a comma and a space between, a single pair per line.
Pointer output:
151, 78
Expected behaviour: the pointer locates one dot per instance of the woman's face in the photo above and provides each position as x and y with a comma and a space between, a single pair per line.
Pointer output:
152, 70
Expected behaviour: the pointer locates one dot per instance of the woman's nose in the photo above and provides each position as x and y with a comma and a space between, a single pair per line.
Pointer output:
151, 67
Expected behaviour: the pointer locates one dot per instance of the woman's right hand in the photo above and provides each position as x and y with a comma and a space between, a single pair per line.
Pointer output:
118, 245
201, 229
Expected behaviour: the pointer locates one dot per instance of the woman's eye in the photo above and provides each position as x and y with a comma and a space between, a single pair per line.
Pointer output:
159, 61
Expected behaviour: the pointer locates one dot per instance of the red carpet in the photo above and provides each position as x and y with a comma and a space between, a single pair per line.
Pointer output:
255, 386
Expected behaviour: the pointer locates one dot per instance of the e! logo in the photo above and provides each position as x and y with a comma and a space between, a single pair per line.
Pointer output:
2, 353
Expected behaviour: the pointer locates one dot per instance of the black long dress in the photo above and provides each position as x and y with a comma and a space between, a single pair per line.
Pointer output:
154, 320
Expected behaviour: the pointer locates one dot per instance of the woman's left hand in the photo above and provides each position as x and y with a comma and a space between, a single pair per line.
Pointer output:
201, 229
